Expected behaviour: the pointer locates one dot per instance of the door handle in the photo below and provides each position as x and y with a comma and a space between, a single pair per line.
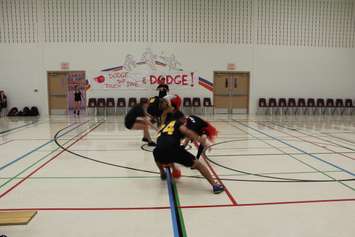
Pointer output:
235, 82
226, 82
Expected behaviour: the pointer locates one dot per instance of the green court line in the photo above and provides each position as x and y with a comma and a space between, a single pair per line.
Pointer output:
36, 162
177, 200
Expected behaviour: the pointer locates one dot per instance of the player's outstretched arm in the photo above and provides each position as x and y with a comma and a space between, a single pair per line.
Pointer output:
193, 136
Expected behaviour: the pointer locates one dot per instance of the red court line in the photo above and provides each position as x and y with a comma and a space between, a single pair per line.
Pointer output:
166, 207
208, 206
230, 196
47, 162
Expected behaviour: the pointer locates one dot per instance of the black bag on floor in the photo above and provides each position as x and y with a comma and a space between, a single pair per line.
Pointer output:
26, 111
34, 111
13, 112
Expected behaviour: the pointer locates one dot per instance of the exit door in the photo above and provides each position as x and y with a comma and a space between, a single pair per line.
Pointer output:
231, 92
57, 93
61, 86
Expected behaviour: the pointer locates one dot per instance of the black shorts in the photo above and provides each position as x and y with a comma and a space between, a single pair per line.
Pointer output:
129, 123
173, 155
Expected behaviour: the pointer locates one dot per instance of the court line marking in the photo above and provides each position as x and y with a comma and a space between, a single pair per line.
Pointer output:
85, 208
301, 201
342, 139
10, 179
39, 147
15, 128
7, 142
314, 143
297, 202
230, 196
181, 217
173, 208
156, 177
299, 160
47, 162
182, 207
279, 154
309, 154
34, 163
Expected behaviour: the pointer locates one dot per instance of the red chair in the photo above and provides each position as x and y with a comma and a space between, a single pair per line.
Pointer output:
101, 106
143, 100
92, 105
110, 105
291, 105
282, 106
262, 105
132, 102
121, 105
320, 106
272, 105
196, 104
301, 106
339, 106
187, 104
349, 106
207, 104
311, 105
330, 106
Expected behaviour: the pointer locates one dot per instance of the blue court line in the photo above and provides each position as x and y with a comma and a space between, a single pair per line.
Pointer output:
172, 204
39, 147
304, 152
12, 129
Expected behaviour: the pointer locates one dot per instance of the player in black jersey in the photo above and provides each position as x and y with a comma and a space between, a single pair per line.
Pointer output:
137, 118
77, 100
154, 109
160, 109
169, 150
203, 128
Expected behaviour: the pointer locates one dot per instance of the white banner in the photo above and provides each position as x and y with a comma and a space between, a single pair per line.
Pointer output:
147, 73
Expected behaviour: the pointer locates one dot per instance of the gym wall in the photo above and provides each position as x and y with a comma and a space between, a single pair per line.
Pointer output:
293, 48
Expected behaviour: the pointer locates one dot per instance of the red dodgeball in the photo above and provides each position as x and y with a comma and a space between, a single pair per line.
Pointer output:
176, 102
176, 173
100, 79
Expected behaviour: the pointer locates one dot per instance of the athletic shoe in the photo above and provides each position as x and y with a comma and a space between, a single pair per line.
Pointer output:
163, 176
78, 112
218, 188
152, 144
145, 139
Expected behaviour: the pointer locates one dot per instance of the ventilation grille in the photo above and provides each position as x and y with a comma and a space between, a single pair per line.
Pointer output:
308, 23
326, 23
18, 21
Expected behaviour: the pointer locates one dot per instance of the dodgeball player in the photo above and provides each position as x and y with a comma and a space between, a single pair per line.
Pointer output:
203, 128
138, 119
169, 149
77, 100
174, 101
159, 109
